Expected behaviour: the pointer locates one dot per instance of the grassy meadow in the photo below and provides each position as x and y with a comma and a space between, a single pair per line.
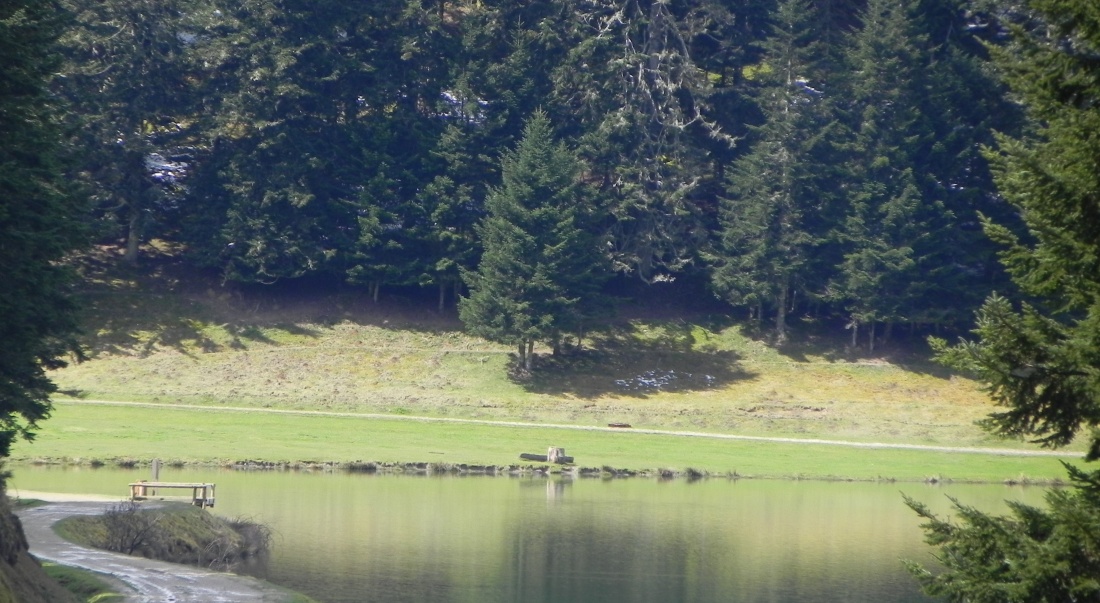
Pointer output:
160, 336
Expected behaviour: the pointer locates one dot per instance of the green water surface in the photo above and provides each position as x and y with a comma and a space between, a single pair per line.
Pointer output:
392, 538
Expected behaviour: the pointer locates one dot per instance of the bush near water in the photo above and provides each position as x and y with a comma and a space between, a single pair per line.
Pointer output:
176, 533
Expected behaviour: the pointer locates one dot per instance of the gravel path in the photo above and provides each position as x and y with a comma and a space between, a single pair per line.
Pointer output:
141, 580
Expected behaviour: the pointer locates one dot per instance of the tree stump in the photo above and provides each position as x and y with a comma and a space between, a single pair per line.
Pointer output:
555, 455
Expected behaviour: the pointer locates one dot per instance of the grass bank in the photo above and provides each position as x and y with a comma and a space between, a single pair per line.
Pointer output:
177, 533
86, 586
92, 433
164, 336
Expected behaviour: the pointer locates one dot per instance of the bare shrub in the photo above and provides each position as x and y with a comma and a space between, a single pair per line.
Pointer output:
129, 528
246, 541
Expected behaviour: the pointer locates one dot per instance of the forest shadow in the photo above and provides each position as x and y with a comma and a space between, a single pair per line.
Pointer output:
623, 361
135, 311
909, 351
165, 304
134, 324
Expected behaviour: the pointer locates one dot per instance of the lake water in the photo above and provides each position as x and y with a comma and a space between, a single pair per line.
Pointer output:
392, 538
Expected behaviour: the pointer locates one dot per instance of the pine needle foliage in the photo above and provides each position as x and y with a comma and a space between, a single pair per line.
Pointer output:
38, 221
540, 272
1040, 360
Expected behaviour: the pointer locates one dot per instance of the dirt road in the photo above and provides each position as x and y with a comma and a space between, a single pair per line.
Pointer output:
141, 580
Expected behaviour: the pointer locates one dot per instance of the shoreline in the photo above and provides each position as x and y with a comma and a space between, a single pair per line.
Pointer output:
444, 469
90, 435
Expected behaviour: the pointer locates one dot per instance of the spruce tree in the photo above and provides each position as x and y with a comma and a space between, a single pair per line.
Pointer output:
541, 270
325, 117
1040, 359
39, 222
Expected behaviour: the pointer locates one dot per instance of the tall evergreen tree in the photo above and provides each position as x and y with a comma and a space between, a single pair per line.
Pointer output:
541, 270
39, 222
964, 104
641, 101
888, 231
768, 220
1040, 360
452, 203
325, 127
133, 74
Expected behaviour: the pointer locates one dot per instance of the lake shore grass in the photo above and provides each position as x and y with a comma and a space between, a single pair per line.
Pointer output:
95, 434
88, 587
192, 348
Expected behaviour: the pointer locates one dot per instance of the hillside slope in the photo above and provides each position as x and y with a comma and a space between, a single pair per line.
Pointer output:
333, 367
164, 333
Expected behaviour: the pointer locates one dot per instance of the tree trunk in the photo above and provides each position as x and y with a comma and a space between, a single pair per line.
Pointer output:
555, 454
133, 235
530, 354
871, 338
442, 295
781, 316
855, 332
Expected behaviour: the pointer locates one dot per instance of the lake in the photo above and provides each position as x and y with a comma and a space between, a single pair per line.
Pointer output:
394, 538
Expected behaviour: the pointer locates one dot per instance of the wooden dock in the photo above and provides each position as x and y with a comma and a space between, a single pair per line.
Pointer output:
202, 494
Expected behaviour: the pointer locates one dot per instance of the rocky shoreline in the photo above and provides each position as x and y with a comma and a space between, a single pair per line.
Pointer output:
369, 467
468, 469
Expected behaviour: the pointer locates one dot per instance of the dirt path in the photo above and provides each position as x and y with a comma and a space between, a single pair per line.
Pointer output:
140, 580
664, 432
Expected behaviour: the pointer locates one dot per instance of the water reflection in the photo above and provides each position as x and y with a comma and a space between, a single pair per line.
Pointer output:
390, 539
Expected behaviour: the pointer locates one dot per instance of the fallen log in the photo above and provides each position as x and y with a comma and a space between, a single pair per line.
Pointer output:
541, 458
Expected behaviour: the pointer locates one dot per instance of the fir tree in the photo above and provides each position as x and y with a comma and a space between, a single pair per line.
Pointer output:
768, 233
1040, 360
324, 128
541, 270
39, 222
133, 80
641, 100
888, 228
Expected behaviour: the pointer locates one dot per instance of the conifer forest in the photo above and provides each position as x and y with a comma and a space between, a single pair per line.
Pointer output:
799, 157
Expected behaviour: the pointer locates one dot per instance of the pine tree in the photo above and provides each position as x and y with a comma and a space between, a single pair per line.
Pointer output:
452, 204
324, 125
541, 270
1040, 360
39, 222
